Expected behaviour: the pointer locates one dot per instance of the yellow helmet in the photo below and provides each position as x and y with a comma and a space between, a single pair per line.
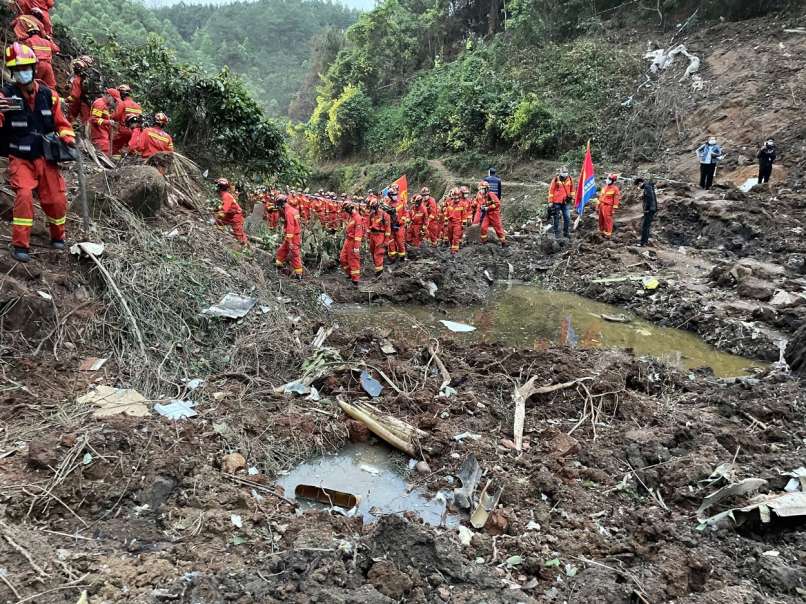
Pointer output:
19, 55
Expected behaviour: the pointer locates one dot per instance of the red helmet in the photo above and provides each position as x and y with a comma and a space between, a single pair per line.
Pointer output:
114, 93
19, 55
612, 177
425, 191
32, 26
161, 119
124, 89
418, 198
222, 183
483, 184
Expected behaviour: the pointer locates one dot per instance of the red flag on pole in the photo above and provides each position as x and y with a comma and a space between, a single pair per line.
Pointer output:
403, 188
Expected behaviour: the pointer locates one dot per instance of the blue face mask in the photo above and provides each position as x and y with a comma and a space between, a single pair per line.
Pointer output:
24, 76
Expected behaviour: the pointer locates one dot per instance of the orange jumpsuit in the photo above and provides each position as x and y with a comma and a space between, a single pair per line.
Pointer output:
434, 223
25, 23
454, 218
77, 101
350, 256
231, 213
609, 200
560, 190
28, 171
291, 248
400, 221
43, 49
125, 108
419, 224
101, 126
492, 217
26, 6
270, 213
147, 142
380, 231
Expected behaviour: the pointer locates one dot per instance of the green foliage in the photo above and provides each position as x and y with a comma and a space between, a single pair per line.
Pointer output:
269, 42
214, 118
319, 145
347, 119
535, 127
386, 136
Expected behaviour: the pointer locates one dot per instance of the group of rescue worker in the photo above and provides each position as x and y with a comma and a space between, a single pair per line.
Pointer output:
387, 222
562, 193
34, 125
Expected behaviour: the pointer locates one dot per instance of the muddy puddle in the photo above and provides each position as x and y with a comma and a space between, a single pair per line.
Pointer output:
528, 316
377, 475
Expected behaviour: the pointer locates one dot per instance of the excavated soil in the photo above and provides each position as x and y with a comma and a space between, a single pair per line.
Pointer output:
600, 505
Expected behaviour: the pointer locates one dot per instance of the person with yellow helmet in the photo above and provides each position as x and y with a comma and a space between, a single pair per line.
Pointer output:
44, 49
30, 112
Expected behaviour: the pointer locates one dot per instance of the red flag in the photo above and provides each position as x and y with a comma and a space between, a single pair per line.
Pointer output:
586, 187
403, 188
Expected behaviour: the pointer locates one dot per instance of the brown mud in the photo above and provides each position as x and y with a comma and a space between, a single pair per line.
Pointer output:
600, 507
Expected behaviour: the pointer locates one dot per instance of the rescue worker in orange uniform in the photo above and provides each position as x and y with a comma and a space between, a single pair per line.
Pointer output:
22, 24
124, 111
454, 218
469, 202
350, 256
489, 212
44, 49
41, 10
78, 103
608, 201
101, 122
399, 214
434, 223
290, 249
147, 142
229, 212
29, 111
419, 222
379, 226
270, 212
561, 193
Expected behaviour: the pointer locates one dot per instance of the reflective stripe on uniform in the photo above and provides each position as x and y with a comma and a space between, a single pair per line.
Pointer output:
24, 222
66, 132
159, 137
57, 221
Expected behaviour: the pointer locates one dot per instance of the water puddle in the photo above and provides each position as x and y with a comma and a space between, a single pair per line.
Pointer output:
531, 317
374, 474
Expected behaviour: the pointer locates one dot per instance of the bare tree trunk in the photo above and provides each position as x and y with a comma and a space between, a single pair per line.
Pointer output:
492, 17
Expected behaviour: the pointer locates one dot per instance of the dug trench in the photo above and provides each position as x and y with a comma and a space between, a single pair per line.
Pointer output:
601, 503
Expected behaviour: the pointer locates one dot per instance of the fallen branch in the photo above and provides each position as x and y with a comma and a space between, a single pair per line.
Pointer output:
126, 308
523, 393
377, 428
446, 377
24, 553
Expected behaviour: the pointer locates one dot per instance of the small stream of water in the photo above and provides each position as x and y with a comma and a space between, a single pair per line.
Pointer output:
532, 317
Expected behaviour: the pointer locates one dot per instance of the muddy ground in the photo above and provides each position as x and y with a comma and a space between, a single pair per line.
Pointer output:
601, 506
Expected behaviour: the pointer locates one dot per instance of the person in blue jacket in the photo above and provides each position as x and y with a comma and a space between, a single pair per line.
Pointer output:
495, 182
709, 154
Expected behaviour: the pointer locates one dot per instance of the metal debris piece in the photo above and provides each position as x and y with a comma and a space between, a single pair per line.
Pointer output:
87, 247
92, 364
176, 410
488, 500
370, 385
457, 327
231, 306
469, 474
326, 496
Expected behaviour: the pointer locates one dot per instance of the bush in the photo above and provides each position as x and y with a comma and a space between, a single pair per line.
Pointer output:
348, 120
535, 128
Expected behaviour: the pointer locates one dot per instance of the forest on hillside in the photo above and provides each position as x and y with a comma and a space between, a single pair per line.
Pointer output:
268, 42
531, 77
